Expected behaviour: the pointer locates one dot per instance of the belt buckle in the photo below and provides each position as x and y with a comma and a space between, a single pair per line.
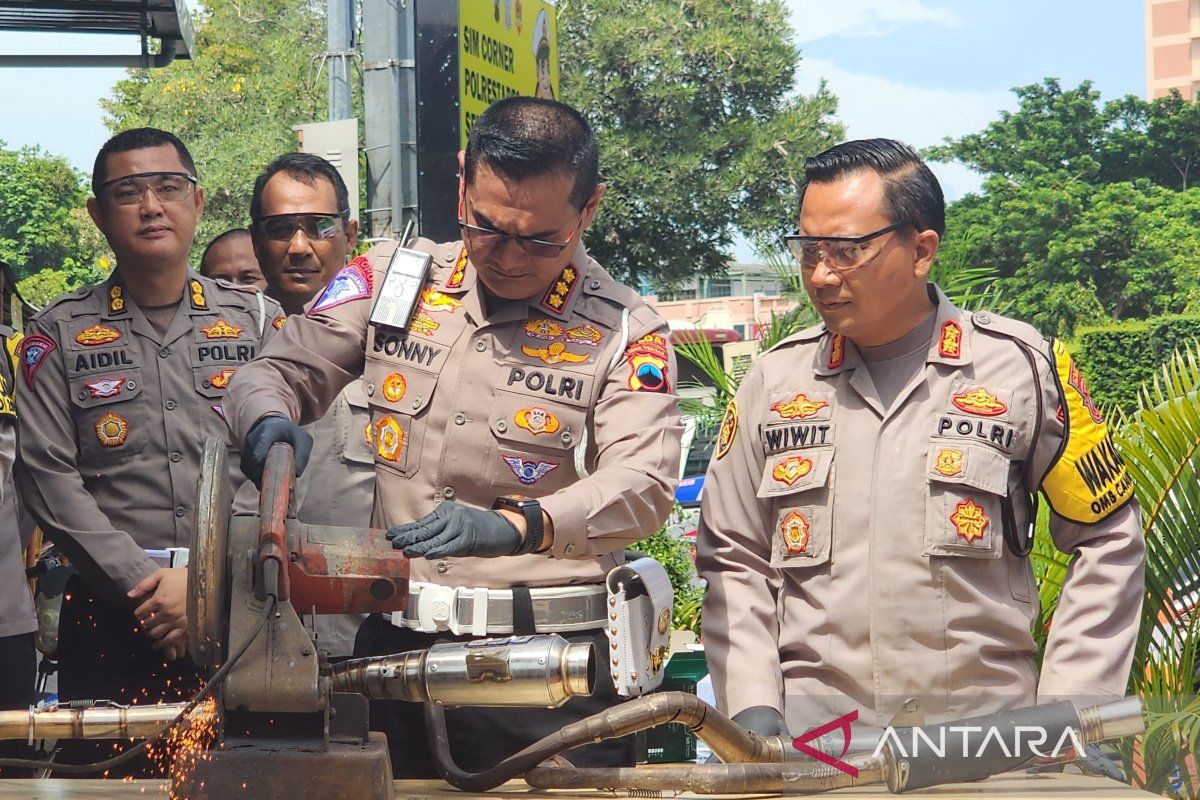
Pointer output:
437, 609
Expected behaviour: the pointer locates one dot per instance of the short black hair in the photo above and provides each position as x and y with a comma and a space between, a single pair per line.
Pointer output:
911, 191
527, 137
229, 234
306, 168
137, 139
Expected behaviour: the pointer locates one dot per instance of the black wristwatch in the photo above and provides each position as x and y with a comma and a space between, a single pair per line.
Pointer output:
532, 511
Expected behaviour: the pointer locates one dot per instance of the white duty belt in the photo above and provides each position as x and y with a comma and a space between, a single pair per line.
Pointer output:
488, 612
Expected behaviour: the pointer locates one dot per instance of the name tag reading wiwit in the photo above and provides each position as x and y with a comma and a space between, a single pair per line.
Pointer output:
397, 297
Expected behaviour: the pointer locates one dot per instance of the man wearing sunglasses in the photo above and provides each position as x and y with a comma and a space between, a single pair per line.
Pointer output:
524, 424
867, 514
120, 385
303, 234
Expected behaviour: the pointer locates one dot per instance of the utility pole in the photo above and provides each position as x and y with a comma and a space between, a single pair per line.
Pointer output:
340, 44
389, 108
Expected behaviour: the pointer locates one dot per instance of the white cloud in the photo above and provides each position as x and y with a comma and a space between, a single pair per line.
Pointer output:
872, 106
816, 19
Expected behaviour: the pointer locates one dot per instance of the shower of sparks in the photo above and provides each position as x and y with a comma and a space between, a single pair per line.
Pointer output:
185, 747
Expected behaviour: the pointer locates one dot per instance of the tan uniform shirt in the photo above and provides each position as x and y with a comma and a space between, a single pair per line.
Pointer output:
555, 398
114, 417
17, 613
855, 556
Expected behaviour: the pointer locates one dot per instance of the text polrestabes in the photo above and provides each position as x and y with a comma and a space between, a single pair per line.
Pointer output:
103, 360
536, 380
226, 352
407, 349
785, 437
991, 432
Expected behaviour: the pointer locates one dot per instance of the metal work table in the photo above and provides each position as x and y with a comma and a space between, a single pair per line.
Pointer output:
1004, 787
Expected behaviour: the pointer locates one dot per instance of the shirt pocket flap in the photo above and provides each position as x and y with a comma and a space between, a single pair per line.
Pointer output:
967, 464
406, 391
536, 423
92, 391
789, 473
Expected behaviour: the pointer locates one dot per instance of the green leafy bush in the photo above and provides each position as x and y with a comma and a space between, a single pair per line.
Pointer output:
1117, 359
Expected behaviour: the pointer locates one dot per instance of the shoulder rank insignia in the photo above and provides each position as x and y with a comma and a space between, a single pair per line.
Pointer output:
561, 290
792, 469
837, 351
969, 520
728, 430
432, 300
536, 420
394, 387
545, 329
455, 281
116, 303
950, 345
198, 301
528, 472
222, 330
105, 387
648, 364
97, 335
799, 407
980, 402
1089, 480
111, 430
554, 353
585, 334
795, 531
279, 322
353, 282
389, 438
220, 380
34, 350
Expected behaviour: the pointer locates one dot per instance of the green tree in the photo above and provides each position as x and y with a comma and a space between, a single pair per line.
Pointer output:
235, 103
42, 225
700, 131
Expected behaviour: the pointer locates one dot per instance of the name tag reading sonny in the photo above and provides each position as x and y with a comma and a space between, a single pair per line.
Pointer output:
397, 297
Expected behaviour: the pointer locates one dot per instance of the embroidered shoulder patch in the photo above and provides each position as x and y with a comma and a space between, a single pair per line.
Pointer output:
950, 345
728, 430
116, 303
34, 350
648, 364
837, 351
1089, 480
279, 322
353, 282
561, 290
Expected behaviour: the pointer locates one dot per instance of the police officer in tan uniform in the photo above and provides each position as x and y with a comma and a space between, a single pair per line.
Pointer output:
866, 519
302, 234
120, 384
529, 381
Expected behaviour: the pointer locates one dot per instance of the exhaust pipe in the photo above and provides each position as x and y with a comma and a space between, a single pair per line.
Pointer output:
528, 671
94, 722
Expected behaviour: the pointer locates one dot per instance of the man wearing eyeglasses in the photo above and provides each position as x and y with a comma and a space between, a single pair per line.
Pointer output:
120, 384
524, 424
303, 234
868, 512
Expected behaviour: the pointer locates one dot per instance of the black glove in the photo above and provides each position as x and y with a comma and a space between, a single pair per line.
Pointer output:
763, 720
1096, 761
266, 432
452, 529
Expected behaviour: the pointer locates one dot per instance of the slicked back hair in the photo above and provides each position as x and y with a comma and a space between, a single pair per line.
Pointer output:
527, 137
306, 168
911, 192
137, 139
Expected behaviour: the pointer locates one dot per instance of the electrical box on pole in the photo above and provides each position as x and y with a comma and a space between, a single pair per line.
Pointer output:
448, 60
337, 143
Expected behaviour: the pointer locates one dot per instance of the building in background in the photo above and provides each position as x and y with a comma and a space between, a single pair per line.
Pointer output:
742, 300
1172, 47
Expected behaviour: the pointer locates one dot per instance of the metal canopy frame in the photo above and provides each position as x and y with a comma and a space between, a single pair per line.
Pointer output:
165, 20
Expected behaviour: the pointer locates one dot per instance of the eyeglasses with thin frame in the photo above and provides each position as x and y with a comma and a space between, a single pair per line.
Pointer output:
841, 253
168, 187
316, 226
481, 238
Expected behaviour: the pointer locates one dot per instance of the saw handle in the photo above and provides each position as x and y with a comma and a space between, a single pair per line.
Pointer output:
274, 508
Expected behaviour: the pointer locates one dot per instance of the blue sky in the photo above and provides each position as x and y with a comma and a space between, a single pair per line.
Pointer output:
918, 70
